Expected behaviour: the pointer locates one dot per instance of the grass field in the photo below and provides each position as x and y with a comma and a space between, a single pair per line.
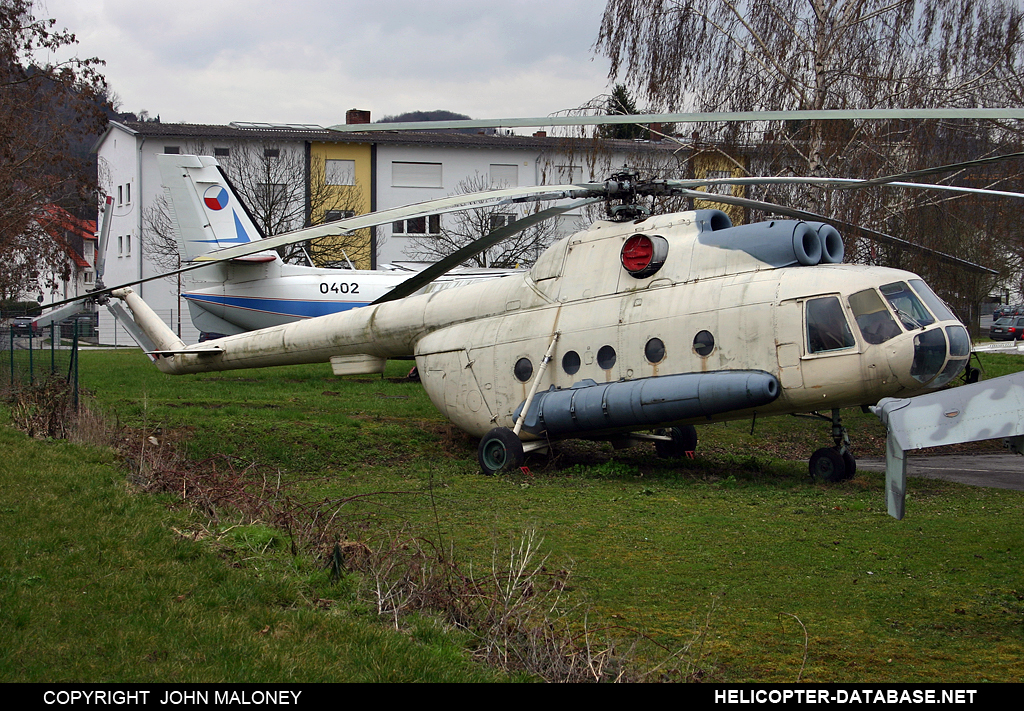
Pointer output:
762, 574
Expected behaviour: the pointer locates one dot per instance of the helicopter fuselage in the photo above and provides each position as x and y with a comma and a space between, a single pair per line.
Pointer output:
675, 319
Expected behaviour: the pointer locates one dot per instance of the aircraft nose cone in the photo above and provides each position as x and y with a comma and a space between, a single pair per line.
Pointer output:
929, 355
938, 355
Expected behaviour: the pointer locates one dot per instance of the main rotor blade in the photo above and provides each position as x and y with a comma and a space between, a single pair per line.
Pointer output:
421, 279
938, 169
383, 217
837, 184
706, 117
813, 217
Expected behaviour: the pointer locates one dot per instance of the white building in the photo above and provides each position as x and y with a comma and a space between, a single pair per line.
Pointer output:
64, 249
126, 163
399, 167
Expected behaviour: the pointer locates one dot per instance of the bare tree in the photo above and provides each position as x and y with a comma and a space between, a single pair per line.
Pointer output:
465, 227
283, 192
47, 110
740, 55
33, 260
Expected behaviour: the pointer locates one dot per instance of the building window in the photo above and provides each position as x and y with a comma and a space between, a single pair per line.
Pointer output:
335, 215
501, 220
120, 194
88, 277
127, 192
271, 194
172, 150
504, 176
127, 245
429, 225
221, 152
271, 152
340, 172
566, 174
416, 175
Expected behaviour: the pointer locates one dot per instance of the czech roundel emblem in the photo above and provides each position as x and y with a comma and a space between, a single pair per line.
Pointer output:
216, 197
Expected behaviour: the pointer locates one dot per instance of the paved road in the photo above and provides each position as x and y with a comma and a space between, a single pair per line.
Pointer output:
997, 471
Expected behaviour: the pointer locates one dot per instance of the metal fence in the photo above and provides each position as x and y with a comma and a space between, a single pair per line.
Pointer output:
32, 358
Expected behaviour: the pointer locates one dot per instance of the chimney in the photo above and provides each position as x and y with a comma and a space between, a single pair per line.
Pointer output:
357, 116
540, 134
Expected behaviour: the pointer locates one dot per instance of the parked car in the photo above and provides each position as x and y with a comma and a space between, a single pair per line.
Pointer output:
1007, 329
1008, 310
21, 326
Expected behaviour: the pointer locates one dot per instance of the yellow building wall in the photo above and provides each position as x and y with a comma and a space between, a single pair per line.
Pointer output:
328, 251
716, 165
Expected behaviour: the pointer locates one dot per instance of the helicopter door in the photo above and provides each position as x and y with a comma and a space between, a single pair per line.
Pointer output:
789, 343
831, 366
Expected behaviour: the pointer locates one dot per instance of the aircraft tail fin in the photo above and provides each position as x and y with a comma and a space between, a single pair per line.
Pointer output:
204, 207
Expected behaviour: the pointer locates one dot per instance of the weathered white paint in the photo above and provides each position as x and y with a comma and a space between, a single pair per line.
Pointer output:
466, 340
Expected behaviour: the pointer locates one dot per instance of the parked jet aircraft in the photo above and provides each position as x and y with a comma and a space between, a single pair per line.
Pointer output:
259, 290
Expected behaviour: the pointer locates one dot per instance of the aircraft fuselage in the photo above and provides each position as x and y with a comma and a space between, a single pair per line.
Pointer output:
724, 300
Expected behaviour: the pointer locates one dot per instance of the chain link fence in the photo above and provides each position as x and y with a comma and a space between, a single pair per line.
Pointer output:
34, 357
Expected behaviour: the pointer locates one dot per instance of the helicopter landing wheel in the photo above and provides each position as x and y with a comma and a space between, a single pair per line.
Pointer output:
684, 439
850, 465
500, 450
827, 464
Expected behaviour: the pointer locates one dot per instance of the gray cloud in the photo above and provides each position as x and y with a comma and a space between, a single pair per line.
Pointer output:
310, 60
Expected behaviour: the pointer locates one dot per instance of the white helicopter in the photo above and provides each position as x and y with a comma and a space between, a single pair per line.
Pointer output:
259, 290
635, 329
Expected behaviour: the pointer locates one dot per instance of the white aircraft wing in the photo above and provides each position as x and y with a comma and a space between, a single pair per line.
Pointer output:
991, 409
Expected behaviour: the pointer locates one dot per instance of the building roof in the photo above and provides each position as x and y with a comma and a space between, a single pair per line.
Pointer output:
311, 133
55, 221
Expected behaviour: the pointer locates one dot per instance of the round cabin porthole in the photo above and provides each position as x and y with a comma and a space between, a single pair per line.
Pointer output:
571, 363
654, 351
704, 343
523, 369
606, 357
642, 255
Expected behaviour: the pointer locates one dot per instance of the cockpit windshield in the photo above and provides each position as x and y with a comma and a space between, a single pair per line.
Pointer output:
933, 302
908, 307
875, 322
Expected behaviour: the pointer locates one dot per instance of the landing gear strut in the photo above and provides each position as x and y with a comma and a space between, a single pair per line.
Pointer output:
682, 444
834, 463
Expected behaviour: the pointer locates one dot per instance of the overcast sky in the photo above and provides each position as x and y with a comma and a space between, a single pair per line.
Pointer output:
308, 61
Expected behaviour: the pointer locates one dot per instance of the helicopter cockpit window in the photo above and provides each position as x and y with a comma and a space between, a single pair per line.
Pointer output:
932, 301
907, 306
873, 318
827, 329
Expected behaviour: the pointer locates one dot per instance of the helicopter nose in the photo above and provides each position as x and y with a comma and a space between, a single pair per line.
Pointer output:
940, 354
